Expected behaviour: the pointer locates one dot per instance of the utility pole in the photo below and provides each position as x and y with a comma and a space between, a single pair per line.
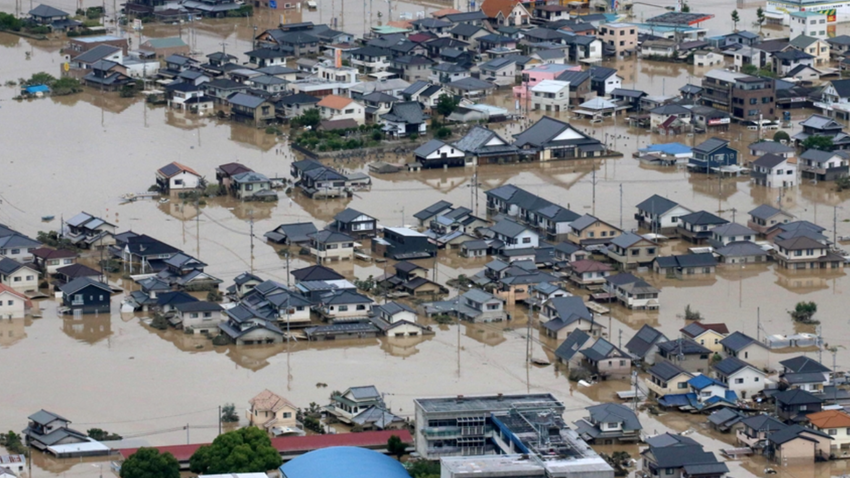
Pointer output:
251, 222
187, 433
287, 268
758, 323
620, 338
593, 166
621, 206
219, 419
528, 338
834, 226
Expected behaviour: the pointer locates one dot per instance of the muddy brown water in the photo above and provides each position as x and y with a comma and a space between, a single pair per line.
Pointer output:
83, 152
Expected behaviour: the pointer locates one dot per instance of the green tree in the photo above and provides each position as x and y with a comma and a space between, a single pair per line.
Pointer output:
442, 133
446, 105
804, 311
9, 22
842, 183
396, 447
40, 78
735, 19
823, 143
749, 69
247, 450
150, 463
781, 135
310, 118
686, 8
424, 469
228, 413
691, 314
760, 18
12, 443
102, 435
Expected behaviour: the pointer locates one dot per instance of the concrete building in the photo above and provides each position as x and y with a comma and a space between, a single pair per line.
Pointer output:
619, 37
464, 426
809, 23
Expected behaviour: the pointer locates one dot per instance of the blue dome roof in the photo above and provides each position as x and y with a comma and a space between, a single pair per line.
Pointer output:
343, 462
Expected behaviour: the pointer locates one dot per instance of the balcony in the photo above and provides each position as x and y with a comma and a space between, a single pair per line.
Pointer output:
441, 432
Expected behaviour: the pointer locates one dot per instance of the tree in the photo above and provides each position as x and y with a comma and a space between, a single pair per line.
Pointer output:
735, 19
804, 311
691, 314
102, 435
228, 413
247, 450
396, 447
150, 463
823, 143
446, 105
686, 8
842, 183
442, 133
760, 18
310, 118
424, 469
12, 443
780, 136
749, 69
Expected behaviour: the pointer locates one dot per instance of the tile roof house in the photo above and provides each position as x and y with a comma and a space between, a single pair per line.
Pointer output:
269, 409
552, 139
666, 378
746, 348
566, 314
609, 423
605, 360
568, 351
741, 377
46, 429
644, 344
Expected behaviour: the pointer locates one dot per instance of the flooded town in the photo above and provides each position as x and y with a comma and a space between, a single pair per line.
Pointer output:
403, 238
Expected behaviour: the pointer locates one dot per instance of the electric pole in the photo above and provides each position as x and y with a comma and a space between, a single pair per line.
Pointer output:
251, 235
621, 206
593, 181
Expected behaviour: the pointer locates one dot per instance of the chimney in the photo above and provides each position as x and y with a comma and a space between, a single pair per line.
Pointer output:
499, 397
459, 398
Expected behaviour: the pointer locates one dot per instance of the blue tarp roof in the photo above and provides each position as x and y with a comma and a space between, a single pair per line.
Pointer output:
667, 148
37, 89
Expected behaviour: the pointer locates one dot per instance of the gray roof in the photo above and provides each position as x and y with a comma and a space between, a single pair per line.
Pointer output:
733, 229
764, 423
349, 214
681, 456
81, 282
725, 416
602, 349
507, 227
656, 204
615, 413
737, 341
246, 100
392, 308
571, 345
710, 145
43, 417
471, 84
47, 11
796, 396
583, 222
704, 259
769, 160
465, 29
765, 211
793, 432
683, 346
666, 370
670, 109
774, 147
479, 296
408, 112
730, 365
476, 139
626, 240
435, 208
817, 155
670, 440
643, 341
544, 131
364, 393
97, 53
803, 364
798, 378
325, 236
702, 218
740, 249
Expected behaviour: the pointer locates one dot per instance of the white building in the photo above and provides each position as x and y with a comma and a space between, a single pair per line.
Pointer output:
333, 107
19, 276
514, 235
774, 171
175, 176
808, 23
551, 95
707, 58
742, 378
13, 304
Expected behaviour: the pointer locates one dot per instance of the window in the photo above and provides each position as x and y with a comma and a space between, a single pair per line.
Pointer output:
17, 279
10, 302
754, 101
361, 307
30, 277
739, 380
16, 251
343, 308
682, 385
349, 111
287, 414
526, 240
803, 408
193, 315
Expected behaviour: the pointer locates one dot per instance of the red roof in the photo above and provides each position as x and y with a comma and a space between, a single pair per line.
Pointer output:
48, 253
295, 444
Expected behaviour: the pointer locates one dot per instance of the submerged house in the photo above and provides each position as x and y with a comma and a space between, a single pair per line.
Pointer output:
86, 295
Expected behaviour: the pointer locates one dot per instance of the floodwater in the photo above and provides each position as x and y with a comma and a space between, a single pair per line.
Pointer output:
83, 152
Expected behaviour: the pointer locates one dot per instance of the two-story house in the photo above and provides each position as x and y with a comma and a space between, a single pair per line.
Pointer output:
589, 273
46, 429
747, 349
344, 306
327, 245
370, 59
707, 335
773, 171
685, 354
348, 404
589, 229
677, 456
605, 360
474, 306
712, 155
660, 215
794, 404
765, 217
666, 378
514, 235
824, 165
836, 424
567, 314
269, 410
819, 125
334, 107
728, 233
805, 373
696, 227
632, 292
803, 252
643, 346
355, 224
85, 230
608, 424
740, 377
632, 251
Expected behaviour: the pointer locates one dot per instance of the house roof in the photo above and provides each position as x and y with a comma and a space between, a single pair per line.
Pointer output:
465, 29
509, 228
627, 239
316, 273
765, 211
829, 419
666, 370
763, 423
695, 329
43, 417
602, 349
175, 168
78, 270
731, 365
82, 282
733, 229
702, 218
700, 382
796, 396
406, 112
47, 11
349, 214
471, 84
643, 341
710, 145
435, 208
670, 440
794, 432
246, 100
27, 301
589, 265
738, 341
740, 249
683, 346
703, 259
656, 204
803, 364
325, 236
335, 102
97, 53
615, 413
267, 400
769, 160
572, 344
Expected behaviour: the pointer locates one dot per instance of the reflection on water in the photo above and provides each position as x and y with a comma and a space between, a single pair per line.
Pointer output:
13, 330
90, 328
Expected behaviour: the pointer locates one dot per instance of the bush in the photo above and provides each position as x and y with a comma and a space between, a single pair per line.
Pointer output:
804, 311
579, 373
102, 435
12, 443
443, 133
228, 413
159, 322
781, 135
414, 136
377, 136
692, 314
9, 22
214, 296
66, 86
221, 339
